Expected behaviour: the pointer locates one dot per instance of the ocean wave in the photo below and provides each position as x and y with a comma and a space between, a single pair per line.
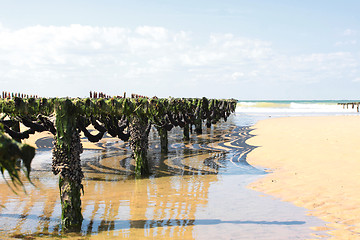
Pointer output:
292, 106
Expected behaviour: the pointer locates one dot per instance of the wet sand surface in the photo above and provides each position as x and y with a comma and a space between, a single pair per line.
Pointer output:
315, 163
196, 191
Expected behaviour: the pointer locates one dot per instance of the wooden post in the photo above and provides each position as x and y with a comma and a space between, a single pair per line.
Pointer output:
186, 134
163, 139
66, 163
198, 126
139, 132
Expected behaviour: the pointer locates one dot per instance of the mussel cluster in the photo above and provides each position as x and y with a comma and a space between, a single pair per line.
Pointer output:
34, 124
181, 112
115, 126
109, 115
139, 131
66, 162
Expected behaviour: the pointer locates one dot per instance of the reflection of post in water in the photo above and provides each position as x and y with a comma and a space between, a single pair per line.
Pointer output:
48, 210
167, 206
110, 213
5, 194
25, 213
89, 227
138, 204
101, 204
104, 211
39, 200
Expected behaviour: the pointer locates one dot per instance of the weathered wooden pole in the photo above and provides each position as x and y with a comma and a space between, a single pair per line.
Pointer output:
186, 134
198, 125
163, 133
139, 132
66, 163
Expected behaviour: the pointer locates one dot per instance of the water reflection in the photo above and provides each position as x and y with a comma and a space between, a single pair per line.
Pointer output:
170, 203
216, 151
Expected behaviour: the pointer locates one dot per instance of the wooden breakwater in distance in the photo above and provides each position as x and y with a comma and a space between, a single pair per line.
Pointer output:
352, 104
129, 119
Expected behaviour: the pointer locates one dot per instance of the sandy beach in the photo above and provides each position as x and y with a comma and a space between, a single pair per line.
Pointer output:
314, 163
196, 192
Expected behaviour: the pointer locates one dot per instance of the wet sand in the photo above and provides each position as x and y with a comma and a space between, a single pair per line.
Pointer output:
314, 163
197, 191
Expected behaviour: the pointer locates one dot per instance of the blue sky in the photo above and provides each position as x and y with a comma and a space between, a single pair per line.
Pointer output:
222, 49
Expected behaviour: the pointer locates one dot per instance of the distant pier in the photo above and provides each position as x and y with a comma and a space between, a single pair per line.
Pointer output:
352, 104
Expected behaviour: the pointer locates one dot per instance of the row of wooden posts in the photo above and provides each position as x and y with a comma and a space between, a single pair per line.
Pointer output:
93, 94
129, 119
9, 95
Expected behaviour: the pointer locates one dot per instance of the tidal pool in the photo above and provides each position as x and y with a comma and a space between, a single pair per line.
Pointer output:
196, 191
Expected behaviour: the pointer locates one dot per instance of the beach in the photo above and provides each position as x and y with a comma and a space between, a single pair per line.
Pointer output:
314, 162
197, 191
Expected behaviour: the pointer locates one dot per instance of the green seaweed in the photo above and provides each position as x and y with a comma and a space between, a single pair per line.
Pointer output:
141, 112
70, 193
10, 152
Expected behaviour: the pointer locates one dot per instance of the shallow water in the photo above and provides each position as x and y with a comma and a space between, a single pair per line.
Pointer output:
197, 191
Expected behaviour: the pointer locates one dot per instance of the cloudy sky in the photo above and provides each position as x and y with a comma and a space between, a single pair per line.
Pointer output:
279, 49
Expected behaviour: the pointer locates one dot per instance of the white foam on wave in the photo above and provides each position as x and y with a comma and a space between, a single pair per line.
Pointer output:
293, 107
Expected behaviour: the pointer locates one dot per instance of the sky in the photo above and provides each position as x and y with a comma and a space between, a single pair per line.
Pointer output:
247, 50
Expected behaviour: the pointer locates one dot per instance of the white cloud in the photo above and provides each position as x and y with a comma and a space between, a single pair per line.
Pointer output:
350, 32
71, 60
157, 33
237, 75
344, 43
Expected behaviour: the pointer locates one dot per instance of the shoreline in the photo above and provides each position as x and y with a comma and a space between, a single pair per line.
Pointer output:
179, 205
315, 164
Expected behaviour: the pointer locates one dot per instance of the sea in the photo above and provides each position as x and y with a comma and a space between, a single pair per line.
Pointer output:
255, 110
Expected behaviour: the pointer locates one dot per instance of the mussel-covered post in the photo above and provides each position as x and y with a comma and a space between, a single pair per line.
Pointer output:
198, 126
163, 133
186, 132
139, 132
66, 163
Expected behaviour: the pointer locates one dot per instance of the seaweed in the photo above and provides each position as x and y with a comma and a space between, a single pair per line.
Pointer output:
129, 119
